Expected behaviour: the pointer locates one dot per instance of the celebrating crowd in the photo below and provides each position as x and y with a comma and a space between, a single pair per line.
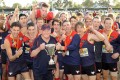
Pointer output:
86, 46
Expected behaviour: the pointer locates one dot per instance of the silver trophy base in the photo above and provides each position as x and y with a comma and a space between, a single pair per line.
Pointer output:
51, 62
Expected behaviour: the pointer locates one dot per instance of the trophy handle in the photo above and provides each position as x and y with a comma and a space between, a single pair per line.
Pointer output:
46, 51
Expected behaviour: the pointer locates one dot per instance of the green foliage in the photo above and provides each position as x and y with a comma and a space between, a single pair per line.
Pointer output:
16, 4
87, 3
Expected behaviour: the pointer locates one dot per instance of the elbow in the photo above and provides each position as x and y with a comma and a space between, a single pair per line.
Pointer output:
11, 59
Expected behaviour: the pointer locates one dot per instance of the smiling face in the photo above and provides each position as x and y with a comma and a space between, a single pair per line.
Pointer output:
73, 21
67, 27
56, 26
96, 23
80, 29
40, 22
44, 11
108, 24
46, 33
15, 31
31, 31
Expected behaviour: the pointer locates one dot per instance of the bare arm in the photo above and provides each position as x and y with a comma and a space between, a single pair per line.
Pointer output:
9, 51
15, 15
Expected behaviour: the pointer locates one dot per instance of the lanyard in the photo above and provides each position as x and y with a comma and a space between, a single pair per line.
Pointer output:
109, 34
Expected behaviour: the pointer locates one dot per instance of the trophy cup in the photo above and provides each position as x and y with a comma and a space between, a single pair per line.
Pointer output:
50, 49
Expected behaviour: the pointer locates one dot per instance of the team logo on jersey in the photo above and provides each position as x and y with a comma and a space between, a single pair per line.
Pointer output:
99, 70
10, 73
62, 66
82, 41
0, 37
77, 71
92, 72
27, 50
114, 69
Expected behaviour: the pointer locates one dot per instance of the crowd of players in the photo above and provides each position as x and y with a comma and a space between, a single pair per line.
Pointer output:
86, 45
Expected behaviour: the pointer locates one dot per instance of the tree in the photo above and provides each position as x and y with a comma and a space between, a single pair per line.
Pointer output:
2, 4
16, 4
87, 3
104, 3
117, 5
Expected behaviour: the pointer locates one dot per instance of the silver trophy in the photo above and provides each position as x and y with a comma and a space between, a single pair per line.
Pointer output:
50, 49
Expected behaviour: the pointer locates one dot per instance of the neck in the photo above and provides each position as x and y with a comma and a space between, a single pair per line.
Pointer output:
13, 36
24, 30
81, 35
68, 32
107, 31
45, 39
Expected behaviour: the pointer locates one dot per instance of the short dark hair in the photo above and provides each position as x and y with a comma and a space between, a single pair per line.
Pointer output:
79, 14
30, 24
73, 17
56, 20
22, 15
43, 4
15, 24
65, 21
108, 18
79, 23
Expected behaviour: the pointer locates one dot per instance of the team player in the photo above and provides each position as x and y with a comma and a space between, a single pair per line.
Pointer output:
71, 59
87, 50
28, 45
13, 45
41, 66
110, 58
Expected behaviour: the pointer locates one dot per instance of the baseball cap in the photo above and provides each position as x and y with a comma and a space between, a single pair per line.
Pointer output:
45, 26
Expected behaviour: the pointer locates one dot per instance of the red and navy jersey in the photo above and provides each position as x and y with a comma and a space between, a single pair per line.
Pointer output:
115, 26
86, 51
48, 17
71, 43
27, 49
15, 44
41, 61
106, 57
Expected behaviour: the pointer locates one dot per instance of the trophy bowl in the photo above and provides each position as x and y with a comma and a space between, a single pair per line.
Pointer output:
50, 49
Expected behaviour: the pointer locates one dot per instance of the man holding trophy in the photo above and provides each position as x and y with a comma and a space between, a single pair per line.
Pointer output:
43, 51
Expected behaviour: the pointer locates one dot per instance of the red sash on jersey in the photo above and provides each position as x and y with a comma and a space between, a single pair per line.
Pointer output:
115, 26
69, 38
83, 39
113, 35
48, 17
15, 43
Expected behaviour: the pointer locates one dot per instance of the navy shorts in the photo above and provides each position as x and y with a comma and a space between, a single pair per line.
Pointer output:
89, 70
110, 66
98, 67
15, 68
72, 69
